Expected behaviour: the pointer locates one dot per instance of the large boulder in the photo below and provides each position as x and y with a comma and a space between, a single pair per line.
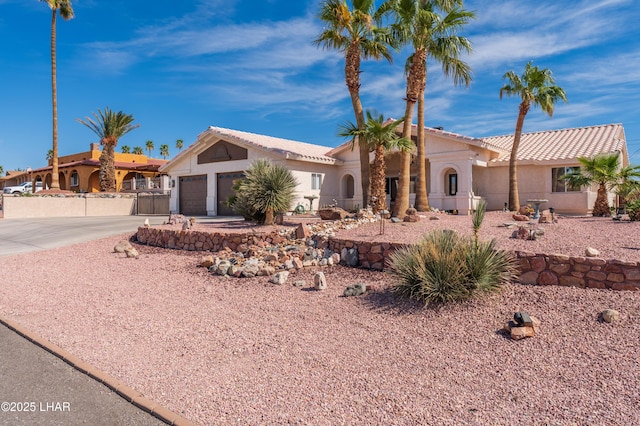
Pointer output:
332, 213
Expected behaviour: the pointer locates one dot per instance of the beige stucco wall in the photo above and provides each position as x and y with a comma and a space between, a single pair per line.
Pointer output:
16, 206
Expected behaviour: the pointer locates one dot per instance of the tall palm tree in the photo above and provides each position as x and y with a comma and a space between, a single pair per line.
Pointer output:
138, 150
354, 32
1, 170
381, 137
605, 171
66, 11
164, 150
110, 126
126, 149
431, 28
535, 87
149, 146
49, 155
179, 144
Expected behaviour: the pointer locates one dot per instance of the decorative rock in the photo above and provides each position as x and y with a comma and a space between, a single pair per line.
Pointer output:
279, 219
146, 223
610, 315
520, 217
131, 252
522, 233
336, 258
434, 218
186, 225
250, 271
411, 211
302, 232
297, 263
591, 252
332, 213
299, 283
525, 325
355, 290
206, 261
411, 218
320, 281
396, 220
279, 278
350, 256
122, 246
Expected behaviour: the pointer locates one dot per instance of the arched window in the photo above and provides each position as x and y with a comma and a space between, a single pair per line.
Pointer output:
451, 182
348, 187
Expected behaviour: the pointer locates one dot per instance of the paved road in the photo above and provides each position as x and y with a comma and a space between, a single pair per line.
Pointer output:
27, 235
50, 392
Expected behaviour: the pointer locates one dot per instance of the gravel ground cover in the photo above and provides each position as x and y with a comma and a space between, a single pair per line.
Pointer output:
243, 351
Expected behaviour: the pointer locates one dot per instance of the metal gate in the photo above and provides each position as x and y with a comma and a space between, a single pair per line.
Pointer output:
153, 203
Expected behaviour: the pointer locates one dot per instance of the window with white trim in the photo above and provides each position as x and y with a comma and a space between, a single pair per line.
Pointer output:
316, 180
74, 179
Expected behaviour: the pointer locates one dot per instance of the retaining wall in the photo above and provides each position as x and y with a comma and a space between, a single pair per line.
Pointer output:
205, 241
535, 268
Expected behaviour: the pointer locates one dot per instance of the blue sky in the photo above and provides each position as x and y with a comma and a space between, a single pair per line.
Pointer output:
181, 66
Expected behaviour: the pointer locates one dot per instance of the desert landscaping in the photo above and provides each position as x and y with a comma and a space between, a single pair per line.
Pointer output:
223, 350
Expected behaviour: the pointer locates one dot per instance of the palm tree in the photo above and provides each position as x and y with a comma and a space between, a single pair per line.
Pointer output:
353, 32
380, 136
138, 150
536, 86
179, 144
125, 149
149, 146
49, 155
110, 126
434, 36
66, 11
164, 150
603, 170
1, 170
269, 187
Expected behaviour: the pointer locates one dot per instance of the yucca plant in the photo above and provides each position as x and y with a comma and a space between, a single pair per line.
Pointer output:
268, 189
446, 267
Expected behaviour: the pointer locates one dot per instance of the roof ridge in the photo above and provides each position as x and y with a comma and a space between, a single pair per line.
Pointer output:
564, 129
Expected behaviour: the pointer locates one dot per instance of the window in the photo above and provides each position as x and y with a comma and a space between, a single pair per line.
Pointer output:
560, 185
453, 184
316, 180
74, 179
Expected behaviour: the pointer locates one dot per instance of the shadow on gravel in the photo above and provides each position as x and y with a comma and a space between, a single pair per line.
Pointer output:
390, 302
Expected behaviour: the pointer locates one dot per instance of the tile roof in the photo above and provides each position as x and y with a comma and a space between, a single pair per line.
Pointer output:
564, 144
285, 147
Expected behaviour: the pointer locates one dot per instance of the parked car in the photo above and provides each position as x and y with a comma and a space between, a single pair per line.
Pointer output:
23, 188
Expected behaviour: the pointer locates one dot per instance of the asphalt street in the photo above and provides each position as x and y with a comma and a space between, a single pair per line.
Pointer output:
28, 235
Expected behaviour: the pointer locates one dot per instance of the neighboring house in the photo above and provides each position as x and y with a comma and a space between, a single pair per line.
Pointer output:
80, 172
461, 170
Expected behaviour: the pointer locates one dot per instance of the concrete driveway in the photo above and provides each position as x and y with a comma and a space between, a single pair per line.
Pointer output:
28, 235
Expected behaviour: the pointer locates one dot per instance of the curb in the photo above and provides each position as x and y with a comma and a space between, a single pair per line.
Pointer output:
126, 392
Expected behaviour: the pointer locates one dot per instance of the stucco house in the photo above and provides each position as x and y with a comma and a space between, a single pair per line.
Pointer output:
461, 170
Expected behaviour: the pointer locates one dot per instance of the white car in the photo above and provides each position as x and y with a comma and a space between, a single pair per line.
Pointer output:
23, 188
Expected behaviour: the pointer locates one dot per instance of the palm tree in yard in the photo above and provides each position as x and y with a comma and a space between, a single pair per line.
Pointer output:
1, 170
354, 32
126, 149
138, 150
603, 170
431, 28
179, 144
380, 136
66, 11
49, 155
164, 150
535, 87
149, 145
110, 126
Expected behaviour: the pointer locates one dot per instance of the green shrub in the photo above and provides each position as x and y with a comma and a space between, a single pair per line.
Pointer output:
445, 267
633, 209
266, 190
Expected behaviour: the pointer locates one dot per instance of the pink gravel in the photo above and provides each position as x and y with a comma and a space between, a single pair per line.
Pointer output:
243, 351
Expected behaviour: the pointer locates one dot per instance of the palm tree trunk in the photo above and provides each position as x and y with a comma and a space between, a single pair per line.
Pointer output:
514, 199
55, 184
422, 200
352, 78
401, 203
269, 217
601, 205
107, 169
378, 172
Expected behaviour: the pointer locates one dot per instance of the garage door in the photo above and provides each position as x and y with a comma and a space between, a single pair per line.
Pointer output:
225, 190
193, 195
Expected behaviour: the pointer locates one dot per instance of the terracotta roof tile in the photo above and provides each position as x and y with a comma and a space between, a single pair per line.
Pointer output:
564, 144
288, 148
